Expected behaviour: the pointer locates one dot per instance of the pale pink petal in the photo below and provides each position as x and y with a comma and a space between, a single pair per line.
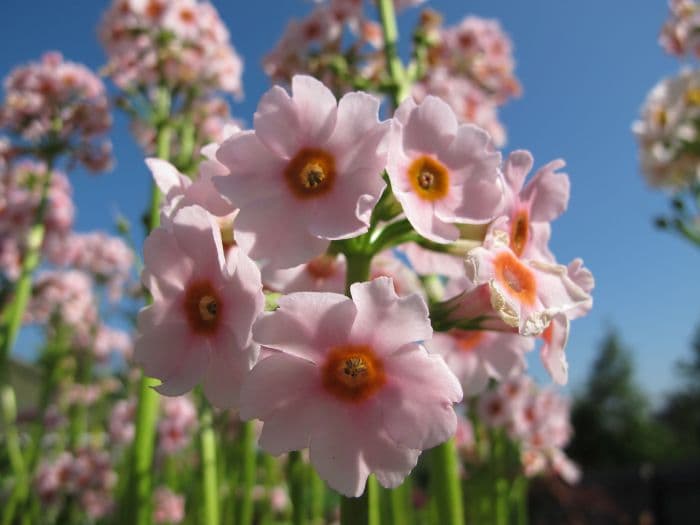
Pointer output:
197, 235
274, 382
416, 380
188, 371
160, 348
306, 324
552, 351
245, 285
166, 261
316, 108
167, 177
518, 165
548, 192
275, 116
389, 463
431, 127
386, 321
224, 376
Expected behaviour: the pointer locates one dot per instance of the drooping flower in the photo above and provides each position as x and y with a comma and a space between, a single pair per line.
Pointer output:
442, 173
308, 174
348, 379
198, 328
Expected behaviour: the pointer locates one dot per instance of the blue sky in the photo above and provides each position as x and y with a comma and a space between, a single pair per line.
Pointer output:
585, 68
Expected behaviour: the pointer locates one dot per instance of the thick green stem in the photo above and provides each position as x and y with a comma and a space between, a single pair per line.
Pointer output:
297, 487
445, 485
358, 266
138, 504
209, 474
364, 510
317, 497
247, 474
399, 83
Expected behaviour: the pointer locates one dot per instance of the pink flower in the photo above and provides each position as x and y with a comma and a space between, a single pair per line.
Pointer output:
309, 173
121, 422
198, 328
325, 273
531, 207
441, 172
476, 356
169, 507
176, 425
527, 294
350, 381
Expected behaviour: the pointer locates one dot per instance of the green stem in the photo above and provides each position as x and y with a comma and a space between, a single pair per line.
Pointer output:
317, 497
358, 265
445, 484
297, 492
138, 505
247, 479
363, 510
399, 85
209, 481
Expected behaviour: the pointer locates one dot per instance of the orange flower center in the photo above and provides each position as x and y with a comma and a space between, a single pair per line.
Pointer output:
187, 15
322, 267
516, 277
692, 97
353, 373
547, 334
429, 178
202, 307
468, 340
310, 173
519, 233
154, 9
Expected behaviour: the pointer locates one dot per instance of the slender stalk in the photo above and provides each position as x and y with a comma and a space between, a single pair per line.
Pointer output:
445, 484
358, 266
400, 87
297, 487
139, 490
247, 479
316, 497
209, 474
364, 510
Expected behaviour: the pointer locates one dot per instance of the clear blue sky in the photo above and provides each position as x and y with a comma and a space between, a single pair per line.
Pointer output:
585, 67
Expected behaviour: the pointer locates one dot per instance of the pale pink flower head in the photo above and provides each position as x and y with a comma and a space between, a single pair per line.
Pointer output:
198, 328
527, 294
350, 381
476, 356
121, 422
168, 506
309, 173
176, 425
442, 173
530, 207
325, 273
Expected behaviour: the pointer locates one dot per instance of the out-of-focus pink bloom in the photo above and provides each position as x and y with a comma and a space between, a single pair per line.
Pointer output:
475, 356
121, 422
198, 328
179, 43
20, 196
168, 506
470, 66
308, 174
680, 34
350, 381
325, 273
108, 340
106, 257
386, 264
279, 500
465, 438
66, 294
426, 262
176, 425
60, 102
667, 125
441, 172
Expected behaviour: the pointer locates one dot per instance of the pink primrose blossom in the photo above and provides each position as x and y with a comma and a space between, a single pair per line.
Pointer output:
441, 172
198, 328
308, 174
348, 379
168, 506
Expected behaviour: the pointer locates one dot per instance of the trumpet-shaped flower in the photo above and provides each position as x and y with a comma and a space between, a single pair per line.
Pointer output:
348, 379
309, 173
198, 328
441, 172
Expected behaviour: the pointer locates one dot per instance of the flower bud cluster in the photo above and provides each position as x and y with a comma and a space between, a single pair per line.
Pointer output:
680, 34
54, 107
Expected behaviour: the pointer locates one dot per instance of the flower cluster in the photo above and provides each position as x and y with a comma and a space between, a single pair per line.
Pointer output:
667, 132
536, 419
470, 66
177, 42
680, 35
87, 475
168, 506
293, 205
21, 187
56, 106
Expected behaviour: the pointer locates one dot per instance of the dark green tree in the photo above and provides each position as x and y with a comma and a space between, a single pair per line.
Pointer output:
612, 419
